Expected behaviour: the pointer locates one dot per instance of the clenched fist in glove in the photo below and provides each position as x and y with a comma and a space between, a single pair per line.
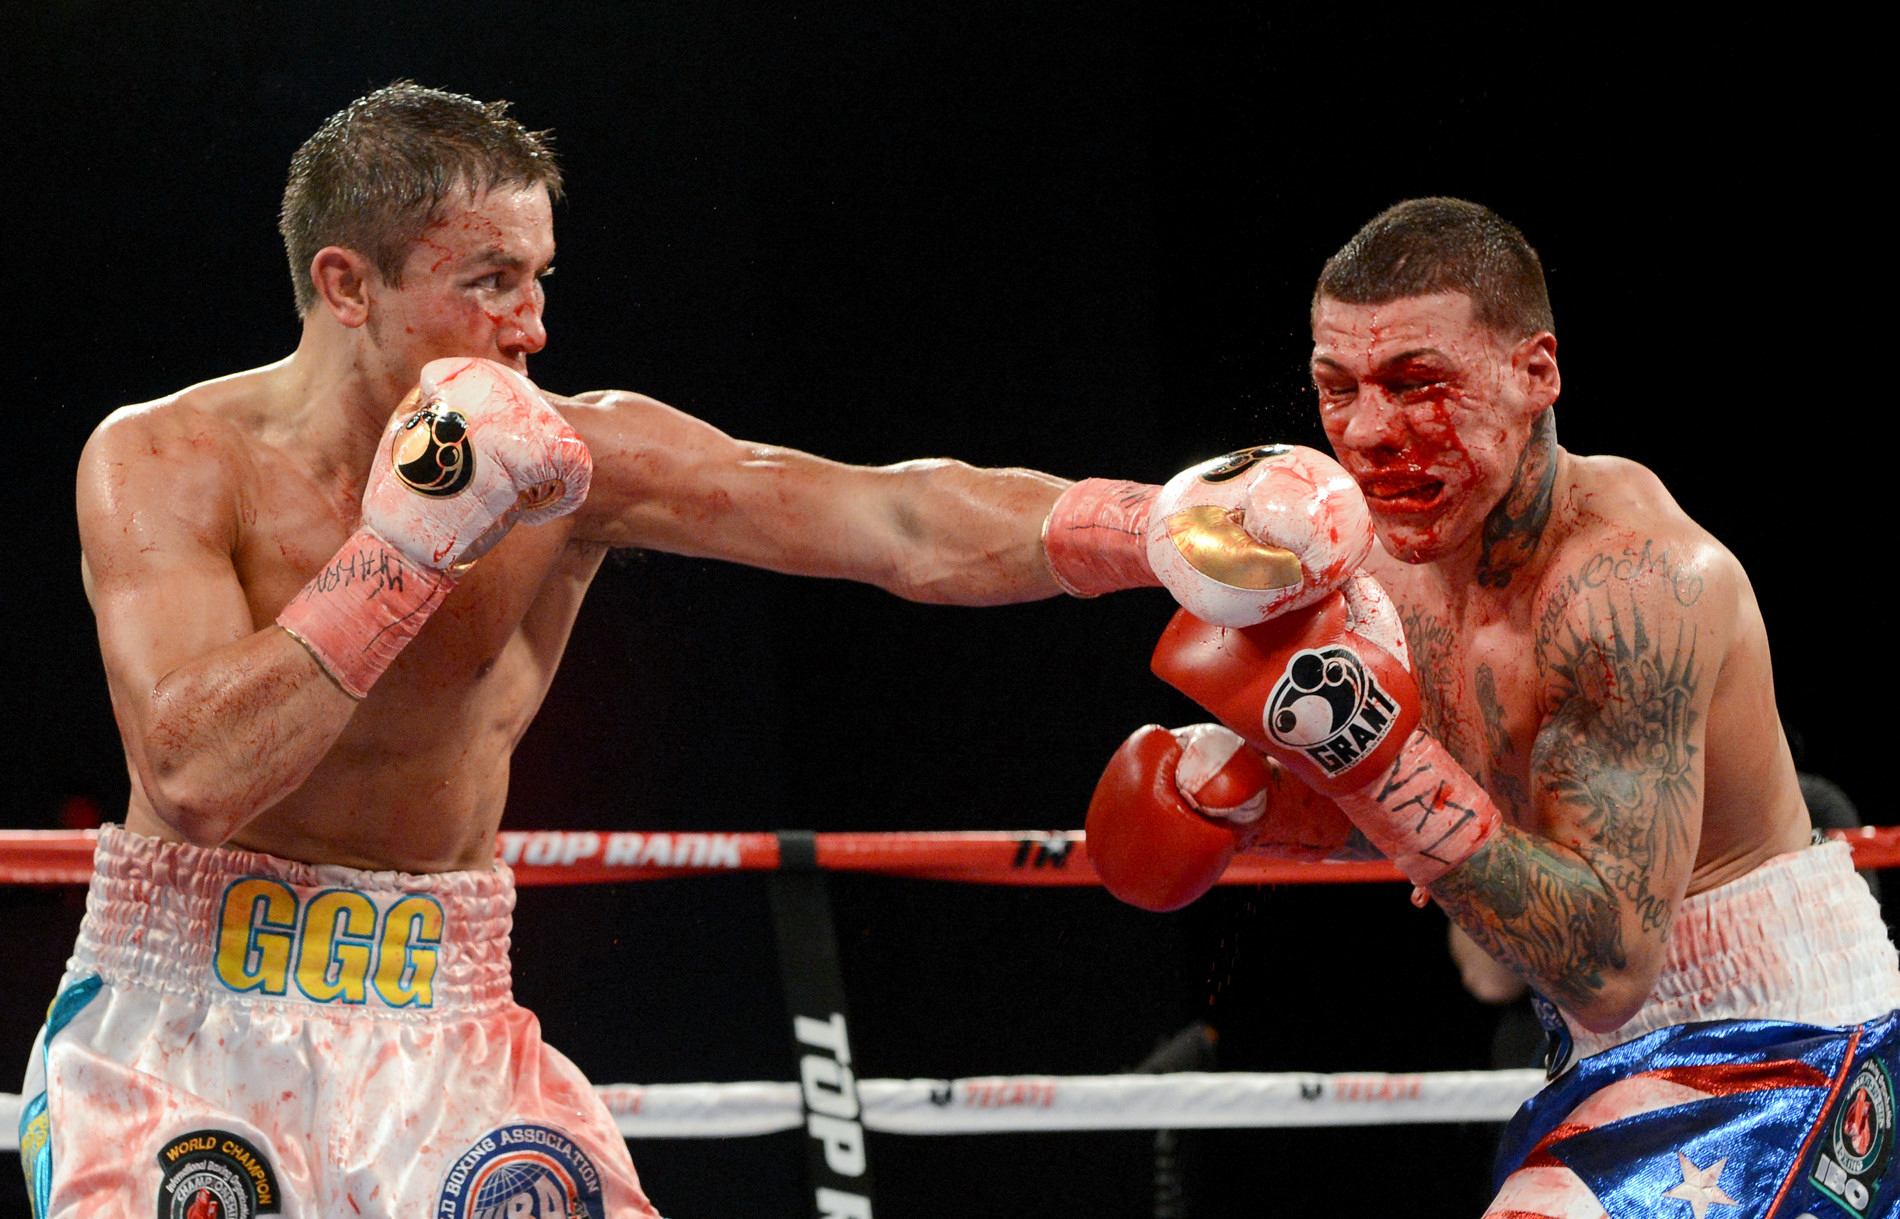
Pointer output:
1174, 806
473, 451
1236, 539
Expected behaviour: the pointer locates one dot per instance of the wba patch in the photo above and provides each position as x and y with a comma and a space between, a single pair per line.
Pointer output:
214, 1174
522, 1171
1859, 1141
1328, 705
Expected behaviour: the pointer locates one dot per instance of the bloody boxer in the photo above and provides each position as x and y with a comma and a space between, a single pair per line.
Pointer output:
1546, 695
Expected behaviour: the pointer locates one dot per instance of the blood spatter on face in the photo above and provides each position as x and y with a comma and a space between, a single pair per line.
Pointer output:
1415, 400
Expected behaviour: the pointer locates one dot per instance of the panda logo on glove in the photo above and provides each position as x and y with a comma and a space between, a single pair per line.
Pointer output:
431, 452
1329, 706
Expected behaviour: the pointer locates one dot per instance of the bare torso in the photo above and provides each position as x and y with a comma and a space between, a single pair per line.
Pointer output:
418, 778
202, 514
1496, 663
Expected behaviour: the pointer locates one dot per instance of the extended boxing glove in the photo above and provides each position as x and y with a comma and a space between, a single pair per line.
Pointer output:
1172, 808
1257, 533
471, 452
1327, 692
1236, 539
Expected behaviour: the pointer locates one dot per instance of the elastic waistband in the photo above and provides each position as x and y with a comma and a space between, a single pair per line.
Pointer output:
1800, 938
251, 928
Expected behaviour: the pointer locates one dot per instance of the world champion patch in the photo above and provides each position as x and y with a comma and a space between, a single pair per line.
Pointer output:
214, 1174
1859, 1141
1328, 705
522, 1171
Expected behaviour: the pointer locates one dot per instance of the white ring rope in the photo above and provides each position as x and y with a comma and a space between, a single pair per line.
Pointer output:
1005, 1103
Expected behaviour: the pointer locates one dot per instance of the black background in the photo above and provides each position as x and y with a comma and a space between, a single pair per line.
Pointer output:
1076, 237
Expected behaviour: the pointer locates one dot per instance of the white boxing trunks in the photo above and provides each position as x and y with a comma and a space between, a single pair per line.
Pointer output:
1774, 1022
1799, 938
241, 1035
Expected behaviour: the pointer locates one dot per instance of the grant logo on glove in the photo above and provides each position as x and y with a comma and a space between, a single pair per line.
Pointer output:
483, 453
1328, 705
431, 452
1257, 532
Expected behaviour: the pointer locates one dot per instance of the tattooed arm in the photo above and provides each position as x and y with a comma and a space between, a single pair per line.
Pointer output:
1627, 642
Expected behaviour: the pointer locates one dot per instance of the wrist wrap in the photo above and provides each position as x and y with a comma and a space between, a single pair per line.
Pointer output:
1427, 814
363, 608
1096, 537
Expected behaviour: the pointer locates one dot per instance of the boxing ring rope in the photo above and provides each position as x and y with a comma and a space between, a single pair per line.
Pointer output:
992, 1104
989, 857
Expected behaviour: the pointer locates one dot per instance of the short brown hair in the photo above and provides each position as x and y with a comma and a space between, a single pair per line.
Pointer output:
1423, 246
372, 177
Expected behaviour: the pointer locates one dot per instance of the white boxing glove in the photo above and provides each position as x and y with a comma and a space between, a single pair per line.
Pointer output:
479, 451
470, 453
1258, 532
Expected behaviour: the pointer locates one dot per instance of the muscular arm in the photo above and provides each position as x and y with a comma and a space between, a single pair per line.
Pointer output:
1580, 902
219, 720
935, 530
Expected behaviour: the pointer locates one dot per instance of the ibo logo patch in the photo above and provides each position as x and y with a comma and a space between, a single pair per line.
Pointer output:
1853, 1157
522, 1171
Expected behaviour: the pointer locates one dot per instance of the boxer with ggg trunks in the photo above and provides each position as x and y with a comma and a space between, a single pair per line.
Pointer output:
325, 629
1533, 682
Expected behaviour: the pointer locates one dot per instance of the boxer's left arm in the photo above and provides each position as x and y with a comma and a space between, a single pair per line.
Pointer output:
1629, 643
1577, 899
933, 530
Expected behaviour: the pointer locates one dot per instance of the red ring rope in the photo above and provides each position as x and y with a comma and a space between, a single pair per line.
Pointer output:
995, 857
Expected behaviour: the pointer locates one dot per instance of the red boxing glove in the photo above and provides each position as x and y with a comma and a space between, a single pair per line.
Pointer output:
470, 453
1173, 807
1326, 692
1149, 844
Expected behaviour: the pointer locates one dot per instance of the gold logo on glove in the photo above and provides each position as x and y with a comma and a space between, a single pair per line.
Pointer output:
1215, 545
431, 452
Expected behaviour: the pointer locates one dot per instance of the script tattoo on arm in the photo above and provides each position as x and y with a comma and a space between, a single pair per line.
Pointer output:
1614, 771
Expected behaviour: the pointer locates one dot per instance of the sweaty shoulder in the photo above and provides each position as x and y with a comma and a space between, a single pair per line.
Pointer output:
1629, 561
186, 456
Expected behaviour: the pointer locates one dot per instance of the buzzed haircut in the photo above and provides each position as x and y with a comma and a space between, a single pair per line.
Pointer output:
372, 176
1424, 246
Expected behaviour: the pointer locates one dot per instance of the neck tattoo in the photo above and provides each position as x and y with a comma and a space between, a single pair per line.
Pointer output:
1514, 526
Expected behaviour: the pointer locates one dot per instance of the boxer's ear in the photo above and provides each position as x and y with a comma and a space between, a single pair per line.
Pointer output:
342, 280
1534, 361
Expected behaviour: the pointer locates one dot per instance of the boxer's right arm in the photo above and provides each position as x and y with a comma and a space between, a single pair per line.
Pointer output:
220, 719
1173, 807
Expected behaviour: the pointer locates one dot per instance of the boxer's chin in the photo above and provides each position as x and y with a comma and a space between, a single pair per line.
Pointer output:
1408, 541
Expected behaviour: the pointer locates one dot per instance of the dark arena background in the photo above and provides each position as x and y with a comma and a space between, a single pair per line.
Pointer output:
1075, 237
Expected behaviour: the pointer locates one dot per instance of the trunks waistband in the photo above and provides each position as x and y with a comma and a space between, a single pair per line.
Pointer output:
240, 926
1800, 938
